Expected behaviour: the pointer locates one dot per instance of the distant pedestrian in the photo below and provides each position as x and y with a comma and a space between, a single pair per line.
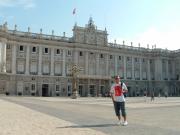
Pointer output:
152, 96
159, 94
166, 94
116, 92
145, 96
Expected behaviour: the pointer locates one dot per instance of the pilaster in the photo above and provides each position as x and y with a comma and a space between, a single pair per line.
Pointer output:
52, 61
27, 60
40, 61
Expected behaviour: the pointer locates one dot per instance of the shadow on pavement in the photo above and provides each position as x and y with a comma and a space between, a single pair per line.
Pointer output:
89, 126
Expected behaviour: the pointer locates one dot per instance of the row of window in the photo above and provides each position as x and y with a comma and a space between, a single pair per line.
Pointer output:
57, 88
46, 50
69, 53
34, 50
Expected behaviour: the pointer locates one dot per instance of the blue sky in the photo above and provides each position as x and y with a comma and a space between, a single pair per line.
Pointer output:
138, 21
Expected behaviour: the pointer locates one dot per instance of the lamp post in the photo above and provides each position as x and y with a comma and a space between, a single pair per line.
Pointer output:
75, 70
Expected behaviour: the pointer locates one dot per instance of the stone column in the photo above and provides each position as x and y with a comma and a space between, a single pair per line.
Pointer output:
107, 65
173, 70
158, 69
167, 70
88, 90
40, 61
64, 62
125, 67
99, 91
115, 57
140, 69
97, 64
3, 57
86, 63
148, 72
27, 60
132, 68
52, 61
13, 59
0, 57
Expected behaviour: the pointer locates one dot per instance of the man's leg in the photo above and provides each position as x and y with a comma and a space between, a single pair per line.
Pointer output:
117, 111
123, 110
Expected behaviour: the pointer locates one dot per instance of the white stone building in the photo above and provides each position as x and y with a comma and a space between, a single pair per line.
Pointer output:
39, 65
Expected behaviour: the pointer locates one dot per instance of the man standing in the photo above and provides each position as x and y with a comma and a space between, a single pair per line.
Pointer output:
116, 92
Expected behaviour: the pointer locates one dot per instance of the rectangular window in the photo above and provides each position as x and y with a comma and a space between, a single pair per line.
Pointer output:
101, 56
21, 48
69, 53
58, 69
57, 88
110, 56
68, 70
58, 51
33, 87
136, 59
33, 67
46, 68
80, 53
34, 49
8, 66
119, 57
150, 61
46, 50
8, 46
20, 67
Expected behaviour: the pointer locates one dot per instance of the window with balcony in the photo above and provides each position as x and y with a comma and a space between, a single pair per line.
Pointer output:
33, 68
46, 69
58, 69
20, 67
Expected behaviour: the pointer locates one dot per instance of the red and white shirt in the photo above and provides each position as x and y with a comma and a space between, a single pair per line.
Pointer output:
117, 92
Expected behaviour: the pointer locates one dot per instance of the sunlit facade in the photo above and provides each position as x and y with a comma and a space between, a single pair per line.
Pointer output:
39, 65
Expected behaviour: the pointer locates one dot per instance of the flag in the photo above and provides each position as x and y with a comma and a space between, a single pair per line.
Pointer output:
74, 11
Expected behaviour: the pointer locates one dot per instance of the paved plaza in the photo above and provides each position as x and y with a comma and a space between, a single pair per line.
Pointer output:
87, 116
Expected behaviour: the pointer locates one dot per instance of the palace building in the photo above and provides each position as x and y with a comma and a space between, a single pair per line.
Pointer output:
40, 65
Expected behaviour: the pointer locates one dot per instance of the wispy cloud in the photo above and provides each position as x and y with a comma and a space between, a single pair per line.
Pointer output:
26, 4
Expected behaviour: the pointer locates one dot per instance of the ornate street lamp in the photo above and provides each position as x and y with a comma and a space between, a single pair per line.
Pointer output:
75, 70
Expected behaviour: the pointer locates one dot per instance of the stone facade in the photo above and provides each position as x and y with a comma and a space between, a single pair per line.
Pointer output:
39, 65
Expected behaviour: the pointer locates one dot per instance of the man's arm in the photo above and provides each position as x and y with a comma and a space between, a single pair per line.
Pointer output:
112, 94
125, 90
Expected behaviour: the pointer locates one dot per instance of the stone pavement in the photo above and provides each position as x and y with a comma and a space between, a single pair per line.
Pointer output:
160, 116
19, 120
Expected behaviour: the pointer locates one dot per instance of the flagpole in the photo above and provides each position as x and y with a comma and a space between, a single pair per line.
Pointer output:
75, 15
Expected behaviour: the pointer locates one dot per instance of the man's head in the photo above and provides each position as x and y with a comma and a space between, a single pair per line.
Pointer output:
117, 79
